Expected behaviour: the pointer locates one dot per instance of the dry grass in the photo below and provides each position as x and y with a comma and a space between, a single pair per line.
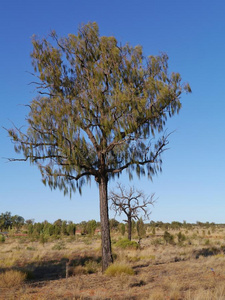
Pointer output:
160, 271
11, 278
117, 269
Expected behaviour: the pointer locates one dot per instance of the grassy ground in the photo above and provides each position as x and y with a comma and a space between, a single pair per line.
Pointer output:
190, 269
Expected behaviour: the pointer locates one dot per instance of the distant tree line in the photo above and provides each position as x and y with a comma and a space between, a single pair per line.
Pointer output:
47, 229
7, 221
175, 225
43, 230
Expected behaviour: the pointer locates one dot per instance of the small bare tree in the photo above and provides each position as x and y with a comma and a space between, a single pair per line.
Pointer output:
134, 203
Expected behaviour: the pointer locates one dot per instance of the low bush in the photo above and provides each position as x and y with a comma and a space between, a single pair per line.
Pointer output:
43, 238
125, 243
117, 269
78, 270
157, 241
207, 242
181, 237
169, 238
59, 246
2, 238
31, 248
11, 279
91, 266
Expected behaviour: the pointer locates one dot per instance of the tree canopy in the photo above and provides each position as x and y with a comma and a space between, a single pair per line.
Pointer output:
97, 98
8, 221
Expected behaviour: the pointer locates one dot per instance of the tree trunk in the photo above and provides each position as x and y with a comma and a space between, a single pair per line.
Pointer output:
105, 230
129, 225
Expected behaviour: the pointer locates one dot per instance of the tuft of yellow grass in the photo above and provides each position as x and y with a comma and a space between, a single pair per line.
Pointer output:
157, 294
11, 278
117, 269
79, 270
218, 293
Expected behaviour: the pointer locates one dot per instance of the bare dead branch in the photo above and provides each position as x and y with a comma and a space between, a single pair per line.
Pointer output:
132, 202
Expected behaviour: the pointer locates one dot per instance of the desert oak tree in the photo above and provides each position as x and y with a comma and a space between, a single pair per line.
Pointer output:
98, 107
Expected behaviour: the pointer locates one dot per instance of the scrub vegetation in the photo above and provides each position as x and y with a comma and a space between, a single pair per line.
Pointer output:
172, 261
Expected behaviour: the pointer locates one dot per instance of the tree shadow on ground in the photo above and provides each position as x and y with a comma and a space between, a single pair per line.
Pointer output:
52, 269
205, 252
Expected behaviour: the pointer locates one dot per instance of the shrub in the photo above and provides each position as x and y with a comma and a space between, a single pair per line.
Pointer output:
194, 236
11, 279
207, 242
31, 248
43, 238
78, 270
91, 266
118, 269
157, 241
2, 238
153, 230
59, 246
29, 274
122, 229
125, 243
87, 241
181, 237
141, 229
169, 238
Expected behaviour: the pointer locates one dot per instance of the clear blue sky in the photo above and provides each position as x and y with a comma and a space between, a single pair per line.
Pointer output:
192, 184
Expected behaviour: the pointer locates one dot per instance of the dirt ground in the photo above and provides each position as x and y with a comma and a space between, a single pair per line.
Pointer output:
176, 280
160, 272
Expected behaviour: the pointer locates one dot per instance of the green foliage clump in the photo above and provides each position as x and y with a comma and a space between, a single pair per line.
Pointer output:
43, 238
157, 241
113, 223
168, 238
31, 248
91, 266
59, 246
125, 243
207, 242
175, 225
141, 229
91, 227
45, 230
194, 236
181, 238
7, 221
117, 269
2, 238
153, 231
71, 229
122, 229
